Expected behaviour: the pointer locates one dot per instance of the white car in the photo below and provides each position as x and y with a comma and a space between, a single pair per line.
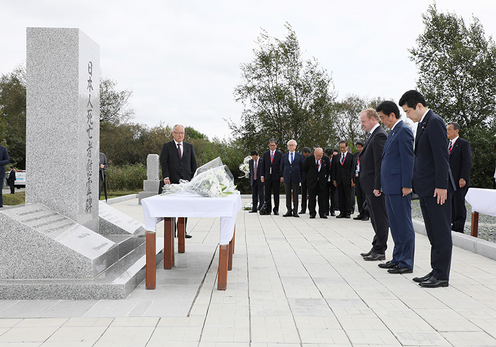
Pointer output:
20, 181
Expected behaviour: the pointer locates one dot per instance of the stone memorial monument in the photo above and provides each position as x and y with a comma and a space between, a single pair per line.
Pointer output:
152, 183
59, 245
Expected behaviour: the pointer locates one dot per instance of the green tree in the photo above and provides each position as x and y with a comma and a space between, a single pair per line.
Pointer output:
13, 115
283, 96
457, 69
114, 104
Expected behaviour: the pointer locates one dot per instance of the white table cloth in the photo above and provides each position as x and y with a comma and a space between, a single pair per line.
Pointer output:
482, 200
184, 204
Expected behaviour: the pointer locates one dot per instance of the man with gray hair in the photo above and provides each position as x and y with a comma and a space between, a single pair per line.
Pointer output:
291, 169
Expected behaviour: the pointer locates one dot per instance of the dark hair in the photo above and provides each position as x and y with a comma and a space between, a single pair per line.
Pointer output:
388, 107
360, 142
306, 150
343, 141
254, 152
456, 126
412, 98
329, 152
273, 140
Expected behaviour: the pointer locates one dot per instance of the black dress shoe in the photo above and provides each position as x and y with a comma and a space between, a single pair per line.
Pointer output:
340, 216
347, 216
365, 218
312, 216
375, 256
302, 212
397, 269
368, 253
433, 282
423, 278
358, 217
188, 236
276, 213
323, 217
288, 214
387, 265
296, 215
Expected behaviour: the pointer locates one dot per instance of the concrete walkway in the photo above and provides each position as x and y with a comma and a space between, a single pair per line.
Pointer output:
295, 282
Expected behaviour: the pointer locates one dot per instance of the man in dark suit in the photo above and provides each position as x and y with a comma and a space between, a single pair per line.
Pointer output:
178, 159
460, 160
396, 180
370, 182
11, 180
430, 183
291, 169
271, 175
304, 190
4, 160
257, 186
343, 169
316, 170
331, 189
363, 211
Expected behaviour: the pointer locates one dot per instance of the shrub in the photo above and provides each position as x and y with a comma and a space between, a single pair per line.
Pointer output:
126, 177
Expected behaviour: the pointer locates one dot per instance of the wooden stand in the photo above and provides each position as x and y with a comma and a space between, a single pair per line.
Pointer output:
475, 224
169, 225
181, 234
150, 260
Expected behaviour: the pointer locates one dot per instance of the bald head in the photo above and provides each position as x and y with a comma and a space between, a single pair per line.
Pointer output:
318, 153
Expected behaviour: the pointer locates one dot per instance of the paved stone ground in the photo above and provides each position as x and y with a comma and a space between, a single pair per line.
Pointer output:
295, 282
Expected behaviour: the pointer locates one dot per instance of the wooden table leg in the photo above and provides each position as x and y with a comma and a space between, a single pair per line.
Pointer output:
151, 259
181, 234
233, 239
222, 273
475, 224
169, 242
230, 255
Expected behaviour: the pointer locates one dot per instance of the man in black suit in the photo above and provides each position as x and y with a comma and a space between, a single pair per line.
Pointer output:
316, 170
291, 168
271, 175
257, 186
343, 169
304, 190
370, 182
460, 160
4, 160
363, 211
178, 159
431, 184
11, 180
331, 189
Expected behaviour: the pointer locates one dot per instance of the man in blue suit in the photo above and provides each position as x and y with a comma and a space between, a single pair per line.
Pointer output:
396, 182
257, 186
431, 183
291, 170
4, 160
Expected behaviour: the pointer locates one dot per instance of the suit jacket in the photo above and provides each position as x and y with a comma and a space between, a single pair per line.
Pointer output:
274, 165
343, 174
431, 166
12, 177
251, 165
370, 161
173, 166
313, 175
292, 172
460, 160
397, 160
4, 160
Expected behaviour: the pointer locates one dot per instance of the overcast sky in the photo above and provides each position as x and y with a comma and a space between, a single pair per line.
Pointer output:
181, 59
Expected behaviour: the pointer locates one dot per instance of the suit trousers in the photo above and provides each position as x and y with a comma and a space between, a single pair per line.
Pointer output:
2, 175
379, 220
272, 186
399, 212
12, 188
437, 225
458, 210
344, 194
322, 194
304, 194
364, 212
257, 195
292, 189
331, 197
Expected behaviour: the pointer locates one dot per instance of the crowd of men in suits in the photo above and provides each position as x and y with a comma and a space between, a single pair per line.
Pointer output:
384, 173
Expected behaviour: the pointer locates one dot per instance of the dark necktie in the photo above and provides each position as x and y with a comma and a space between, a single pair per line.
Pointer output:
179, 150
291, 158
255, 173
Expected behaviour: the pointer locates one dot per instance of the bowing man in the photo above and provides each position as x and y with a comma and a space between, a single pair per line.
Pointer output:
291, 170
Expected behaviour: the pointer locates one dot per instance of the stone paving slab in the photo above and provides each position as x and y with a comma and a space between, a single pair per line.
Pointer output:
295, 282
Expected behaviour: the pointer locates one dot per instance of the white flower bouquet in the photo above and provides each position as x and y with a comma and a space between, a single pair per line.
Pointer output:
245, 166
212, 179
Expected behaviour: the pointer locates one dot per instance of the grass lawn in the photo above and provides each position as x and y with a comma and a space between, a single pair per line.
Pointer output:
19, 197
